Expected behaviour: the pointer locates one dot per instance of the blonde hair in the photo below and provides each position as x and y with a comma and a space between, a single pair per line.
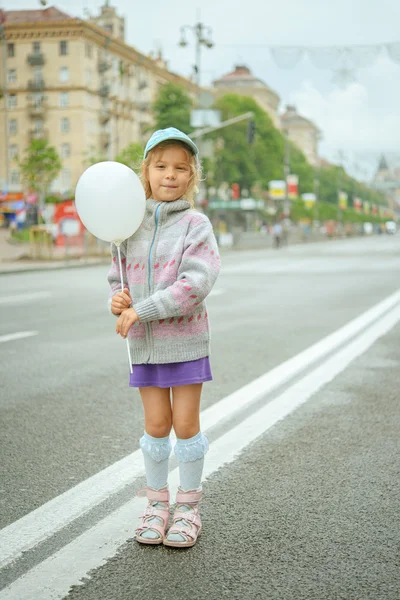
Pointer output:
194, 164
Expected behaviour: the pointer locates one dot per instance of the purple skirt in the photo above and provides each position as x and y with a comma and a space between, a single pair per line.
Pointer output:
171, 374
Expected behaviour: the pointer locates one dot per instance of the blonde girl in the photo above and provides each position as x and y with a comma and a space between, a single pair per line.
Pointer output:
169, 267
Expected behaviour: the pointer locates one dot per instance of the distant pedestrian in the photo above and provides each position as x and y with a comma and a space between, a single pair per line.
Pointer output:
169, 267
277, 231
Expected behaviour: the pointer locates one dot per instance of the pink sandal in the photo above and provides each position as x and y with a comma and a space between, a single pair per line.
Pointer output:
155, 518
186, 523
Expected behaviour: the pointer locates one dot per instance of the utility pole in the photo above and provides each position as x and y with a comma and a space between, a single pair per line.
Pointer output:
286, 171
202, 35
5, 97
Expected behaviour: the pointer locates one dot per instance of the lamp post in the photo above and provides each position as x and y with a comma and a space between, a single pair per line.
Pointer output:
5, 97
202, 34
286, 171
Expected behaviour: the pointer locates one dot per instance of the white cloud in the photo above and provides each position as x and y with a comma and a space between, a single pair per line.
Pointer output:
363, 119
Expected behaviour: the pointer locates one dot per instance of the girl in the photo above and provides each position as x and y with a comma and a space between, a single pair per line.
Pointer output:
169, 267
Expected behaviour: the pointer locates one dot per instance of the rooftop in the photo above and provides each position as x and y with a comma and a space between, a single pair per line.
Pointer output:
34, 16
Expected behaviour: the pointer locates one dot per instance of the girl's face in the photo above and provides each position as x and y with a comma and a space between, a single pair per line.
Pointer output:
169, 173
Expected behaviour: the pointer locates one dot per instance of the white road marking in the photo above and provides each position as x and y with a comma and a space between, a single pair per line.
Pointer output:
52, 579
25, 297
19, 335
49, 518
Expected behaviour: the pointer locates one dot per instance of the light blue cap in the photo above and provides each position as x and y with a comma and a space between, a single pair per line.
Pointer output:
162, 135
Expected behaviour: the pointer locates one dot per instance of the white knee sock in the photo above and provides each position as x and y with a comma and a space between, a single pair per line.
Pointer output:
190, 454
156, 453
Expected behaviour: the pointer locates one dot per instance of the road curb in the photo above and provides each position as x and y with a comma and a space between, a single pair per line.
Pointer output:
52, 267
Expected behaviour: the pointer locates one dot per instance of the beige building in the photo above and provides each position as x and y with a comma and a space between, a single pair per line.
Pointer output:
78, 84
302, 132
241, 81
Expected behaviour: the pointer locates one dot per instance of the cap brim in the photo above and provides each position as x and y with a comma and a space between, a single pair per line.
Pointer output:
192, 147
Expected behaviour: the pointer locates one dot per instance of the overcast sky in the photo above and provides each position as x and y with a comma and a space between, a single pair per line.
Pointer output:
362, 120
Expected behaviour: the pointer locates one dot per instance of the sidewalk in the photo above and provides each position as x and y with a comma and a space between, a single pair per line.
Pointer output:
14, 257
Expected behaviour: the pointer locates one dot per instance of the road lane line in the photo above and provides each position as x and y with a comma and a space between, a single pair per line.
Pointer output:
52, 579
25, 297
19, 335
45, 521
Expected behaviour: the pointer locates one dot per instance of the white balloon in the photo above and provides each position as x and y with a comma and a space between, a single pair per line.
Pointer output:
110, 201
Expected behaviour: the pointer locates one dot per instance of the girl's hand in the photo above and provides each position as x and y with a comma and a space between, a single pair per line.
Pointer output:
120, 301
125, 321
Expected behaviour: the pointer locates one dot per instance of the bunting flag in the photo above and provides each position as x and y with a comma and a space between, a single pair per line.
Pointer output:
342, 200
357, 203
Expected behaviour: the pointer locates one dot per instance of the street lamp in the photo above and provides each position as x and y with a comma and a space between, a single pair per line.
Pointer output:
5, 96
203, 38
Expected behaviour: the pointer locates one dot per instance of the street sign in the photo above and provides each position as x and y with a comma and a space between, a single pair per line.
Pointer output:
243, 204
205, 118
205, 100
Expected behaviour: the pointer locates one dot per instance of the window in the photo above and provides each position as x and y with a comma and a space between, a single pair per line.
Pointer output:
88, 77
88, 50
65, 150
64, 125
39, 125
37, 74
63, 48
64, 74
12, 76
12, 101
37, 100
66, 178
36, 47
13, 151
10, 50
15, 177
12, 126
64, 99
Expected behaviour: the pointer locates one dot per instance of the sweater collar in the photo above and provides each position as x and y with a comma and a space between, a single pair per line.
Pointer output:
167, 210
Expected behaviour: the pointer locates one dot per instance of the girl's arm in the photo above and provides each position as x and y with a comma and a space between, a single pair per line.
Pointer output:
114, 276
197, 274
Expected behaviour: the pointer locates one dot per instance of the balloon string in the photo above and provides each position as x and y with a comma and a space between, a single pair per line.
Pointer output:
122, 289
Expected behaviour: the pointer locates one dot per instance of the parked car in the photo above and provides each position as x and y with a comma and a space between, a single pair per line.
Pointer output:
391, 227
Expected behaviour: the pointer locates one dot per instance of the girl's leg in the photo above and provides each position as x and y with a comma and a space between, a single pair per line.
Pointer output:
156, 448
191, 446
155, 443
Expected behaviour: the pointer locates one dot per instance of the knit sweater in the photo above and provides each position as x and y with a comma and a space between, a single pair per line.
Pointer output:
170, 265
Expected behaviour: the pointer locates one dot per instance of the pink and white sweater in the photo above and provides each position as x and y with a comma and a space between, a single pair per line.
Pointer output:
170, 266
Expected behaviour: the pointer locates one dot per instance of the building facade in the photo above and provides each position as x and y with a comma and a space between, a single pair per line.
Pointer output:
242, 82
302, 132
387, 181
78, 84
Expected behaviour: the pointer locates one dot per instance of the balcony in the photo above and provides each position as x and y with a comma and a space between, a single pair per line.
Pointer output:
38, 134
103, 66
36, 85
104, 116
37, 109
104, 140
36, 59
104, 90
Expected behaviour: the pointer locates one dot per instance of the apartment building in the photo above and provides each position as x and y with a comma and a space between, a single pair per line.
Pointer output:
78, 84
302, 132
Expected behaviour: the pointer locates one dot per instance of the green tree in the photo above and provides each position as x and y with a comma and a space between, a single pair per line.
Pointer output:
237, 161
131, 156
40, 166
172, 108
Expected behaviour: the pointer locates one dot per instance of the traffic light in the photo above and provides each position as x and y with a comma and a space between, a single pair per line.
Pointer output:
251, 129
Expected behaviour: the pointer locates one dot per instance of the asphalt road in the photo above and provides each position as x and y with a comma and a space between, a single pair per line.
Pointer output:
309, 509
